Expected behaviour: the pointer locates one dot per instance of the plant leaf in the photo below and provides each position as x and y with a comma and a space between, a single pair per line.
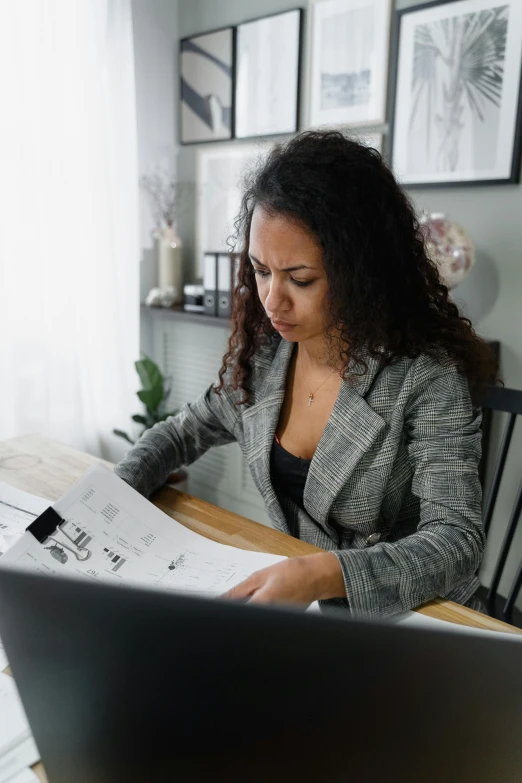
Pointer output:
139, 419
151, 398
150, 375
123, 435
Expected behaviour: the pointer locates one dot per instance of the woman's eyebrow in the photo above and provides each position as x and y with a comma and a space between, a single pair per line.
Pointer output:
287, 269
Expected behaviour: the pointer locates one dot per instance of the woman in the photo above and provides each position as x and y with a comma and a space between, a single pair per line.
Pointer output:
348, 385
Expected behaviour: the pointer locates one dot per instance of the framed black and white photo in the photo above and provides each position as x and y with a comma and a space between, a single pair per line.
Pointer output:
457, 110
268, 68
349, 62
207, 86
220, 169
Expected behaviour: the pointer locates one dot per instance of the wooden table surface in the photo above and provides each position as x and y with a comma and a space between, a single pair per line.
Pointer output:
47, 468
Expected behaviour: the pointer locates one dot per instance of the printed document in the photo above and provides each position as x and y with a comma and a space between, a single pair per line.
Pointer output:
17, 760
110, 532
26, 776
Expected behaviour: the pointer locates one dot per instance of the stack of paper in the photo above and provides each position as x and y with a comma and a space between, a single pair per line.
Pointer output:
13, 723
17, 747
17, 510
418, 620
26, 776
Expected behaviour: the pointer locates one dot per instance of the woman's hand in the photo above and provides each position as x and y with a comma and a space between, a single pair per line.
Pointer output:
298, 580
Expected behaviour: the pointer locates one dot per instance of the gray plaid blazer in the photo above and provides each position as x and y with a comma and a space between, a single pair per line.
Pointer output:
393, 486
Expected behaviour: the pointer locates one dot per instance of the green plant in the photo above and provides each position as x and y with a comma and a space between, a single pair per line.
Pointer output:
154, 395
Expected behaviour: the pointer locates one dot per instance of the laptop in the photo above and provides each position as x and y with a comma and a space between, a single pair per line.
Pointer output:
137, 685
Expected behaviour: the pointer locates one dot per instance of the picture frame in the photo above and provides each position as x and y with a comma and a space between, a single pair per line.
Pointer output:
349, 43
207, 76
220, 169
373, 140
457, 121
268, 75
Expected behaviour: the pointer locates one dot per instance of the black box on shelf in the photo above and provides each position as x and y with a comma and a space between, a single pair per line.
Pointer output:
210, 300
228, 267
193, 298
224, 277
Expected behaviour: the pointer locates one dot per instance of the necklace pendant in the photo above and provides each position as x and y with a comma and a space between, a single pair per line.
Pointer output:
310, 399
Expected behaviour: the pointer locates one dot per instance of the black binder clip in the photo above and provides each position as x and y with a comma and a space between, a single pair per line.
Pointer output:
45, 527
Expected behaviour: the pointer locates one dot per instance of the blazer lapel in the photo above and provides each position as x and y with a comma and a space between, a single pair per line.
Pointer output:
351, 430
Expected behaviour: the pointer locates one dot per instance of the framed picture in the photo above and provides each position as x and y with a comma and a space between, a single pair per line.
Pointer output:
220, 170
207, 86
349, 62
268, 75
457, 105
373, 140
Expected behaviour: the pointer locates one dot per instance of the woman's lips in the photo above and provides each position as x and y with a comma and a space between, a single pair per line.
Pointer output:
282, 326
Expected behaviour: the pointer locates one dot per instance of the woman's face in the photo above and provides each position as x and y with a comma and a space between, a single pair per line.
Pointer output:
291, 279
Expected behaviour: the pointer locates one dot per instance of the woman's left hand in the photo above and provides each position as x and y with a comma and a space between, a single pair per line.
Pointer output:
298, 580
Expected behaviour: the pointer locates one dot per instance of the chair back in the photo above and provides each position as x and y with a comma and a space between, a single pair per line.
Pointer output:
508, 401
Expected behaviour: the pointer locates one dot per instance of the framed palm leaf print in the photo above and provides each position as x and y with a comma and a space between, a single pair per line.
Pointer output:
457, 94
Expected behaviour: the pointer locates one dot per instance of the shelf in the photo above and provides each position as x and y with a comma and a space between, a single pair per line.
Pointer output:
179, 314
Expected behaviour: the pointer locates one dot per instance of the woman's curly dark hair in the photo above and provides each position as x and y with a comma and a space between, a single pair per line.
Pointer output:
384, 293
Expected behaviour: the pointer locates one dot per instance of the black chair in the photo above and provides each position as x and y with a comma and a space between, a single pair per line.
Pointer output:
506, 401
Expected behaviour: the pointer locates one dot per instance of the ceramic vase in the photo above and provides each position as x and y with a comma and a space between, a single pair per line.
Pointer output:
170, 263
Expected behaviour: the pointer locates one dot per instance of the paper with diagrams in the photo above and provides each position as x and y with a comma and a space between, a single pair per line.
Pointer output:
110, 532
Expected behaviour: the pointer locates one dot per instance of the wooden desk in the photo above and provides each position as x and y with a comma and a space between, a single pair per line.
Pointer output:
44, 467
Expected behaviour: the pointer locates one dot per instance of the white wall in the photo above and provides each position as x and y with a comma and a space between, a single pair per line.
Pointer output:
156, 36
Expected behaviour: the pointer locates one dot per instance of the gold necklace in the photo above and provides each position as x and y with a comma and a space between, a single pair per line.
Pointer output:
312, 393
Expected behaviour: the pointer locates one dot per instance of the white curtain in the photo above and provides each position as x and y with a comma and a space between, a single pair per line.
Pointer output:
69, 244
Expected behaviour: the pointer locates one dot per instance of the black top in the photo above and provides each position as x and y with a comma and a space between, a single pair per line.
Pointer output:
288, 473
